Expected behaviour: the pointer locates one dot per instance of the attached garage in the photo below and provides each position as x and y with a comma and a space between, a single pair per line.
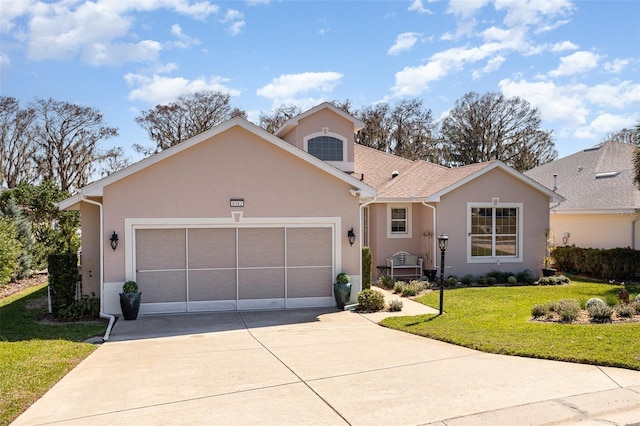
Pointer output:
192, 268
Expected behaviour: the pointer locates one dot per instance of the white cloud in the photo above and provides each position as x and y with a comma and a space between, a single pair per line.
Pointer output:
184, 41
404, 42
563, 46
161, 90
576, 63
417, 6
604, 124
573, 105
5, 62
534, 13
617, 66
492, 65
465, 9
235, 19
289, 88
90, 29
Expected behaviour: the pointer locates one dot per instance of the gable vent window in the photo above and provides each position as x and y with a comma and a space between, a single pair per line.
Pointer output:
326, 148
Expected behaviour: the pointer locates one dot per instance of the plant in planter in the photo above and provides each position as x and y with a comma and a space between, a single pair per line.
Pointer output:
342, 289
130, 300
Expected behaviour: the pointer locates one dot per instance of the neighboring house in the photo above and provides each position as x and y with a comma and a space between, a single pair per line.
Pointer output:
602, 204
237, 218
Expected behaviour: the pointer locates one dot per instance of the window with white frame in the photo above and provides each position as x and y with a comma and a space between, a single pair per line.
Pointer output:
495, 232
399, 221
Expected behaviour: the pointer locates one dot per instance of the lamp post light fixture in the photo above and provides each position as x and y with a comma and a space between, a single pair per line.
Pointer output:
114, 240
443, 241
351, 236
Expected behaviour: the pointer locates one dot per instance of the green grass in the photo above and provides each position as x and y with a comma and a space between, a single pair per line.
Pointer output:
34, 356
497, 320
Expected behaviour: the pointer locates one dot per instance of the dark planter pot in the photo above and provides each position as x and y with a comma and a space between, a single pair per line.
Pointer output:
430, 274
548, 272
342, 293
130, 305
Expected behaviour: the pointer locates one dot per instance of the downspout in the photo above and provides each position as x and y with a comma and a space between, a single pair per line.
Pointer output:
362, 206
111, 318
424, 203
633, 233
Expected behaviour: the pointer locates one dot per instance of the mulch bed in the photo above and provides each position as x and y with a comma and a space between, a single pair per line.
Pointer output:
23, 284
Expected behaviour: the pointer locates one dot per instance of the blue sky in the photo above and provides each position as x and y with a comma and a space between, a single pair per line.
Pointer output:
578, 62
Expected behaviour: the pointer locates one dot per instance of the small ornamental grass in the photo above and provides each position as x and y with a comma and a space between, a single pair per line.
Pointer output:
370, 300
567, 309
624, 310
600, 313
554, 280
409, 289
395, 305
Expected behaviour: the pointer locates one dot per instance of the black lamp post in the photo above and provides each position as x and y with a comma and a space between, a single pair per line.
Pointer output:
443, 240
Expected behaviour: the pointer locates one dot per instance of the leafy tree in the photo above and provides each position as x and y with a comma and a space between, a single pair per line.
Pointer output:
9, 250
67, 137
17, 148
491, 127
406, 129
54, 231
190, 115
23, 233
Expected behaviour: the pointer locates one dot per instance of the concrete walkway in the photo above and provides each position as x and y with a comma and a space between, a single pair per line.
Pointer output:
321, 367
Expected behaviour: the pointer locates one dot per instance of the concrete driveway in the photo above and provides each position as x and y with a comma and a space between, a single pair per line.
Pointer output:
320, 367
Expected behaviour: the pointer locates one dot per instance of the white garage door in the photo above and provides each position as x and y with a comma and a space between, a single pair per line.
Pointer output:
212, 269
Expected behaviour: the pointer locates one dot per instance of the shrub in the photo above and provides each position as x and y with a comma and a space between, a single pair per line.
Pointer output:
451, 281
366, 268
10, 250
624, 311
594, 301
638, 296
512, 280
85, 308
600, 313
616, 263
468, 279
387, 282
492, 280
636, 306
130, 287
343, 278
63, 275
611, 300
395, 305
499, 276
398, 286
554, 280
539, 310
568, 309
527, 276
370, 300
408, 289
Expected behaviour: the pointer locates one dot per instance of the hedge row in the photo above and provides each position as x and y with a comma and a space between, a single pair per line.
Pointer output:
608, 264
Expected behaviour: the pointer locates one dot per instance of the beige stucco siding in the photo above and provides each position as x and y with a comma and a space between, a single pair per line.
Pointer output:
90, 254
199, 183
452, 220
595, 230
316, 122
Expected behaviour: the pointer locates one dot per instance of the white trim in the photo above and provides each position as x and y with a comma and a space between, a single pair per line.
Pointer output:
343, 165
310, 302
493, 259
292, 122
409, 209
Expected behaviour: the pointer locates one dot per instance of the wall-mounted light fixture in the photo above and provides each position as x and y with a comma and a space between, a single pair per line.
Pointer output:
114, 240
351, 236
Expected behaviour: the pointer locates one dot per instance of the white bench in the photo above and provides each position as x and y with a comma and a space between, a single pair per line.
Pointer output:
404, 264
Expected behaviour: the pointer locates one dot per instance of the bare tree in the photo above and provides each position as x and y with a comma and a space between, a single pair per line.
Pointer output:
624, 136
190, 115
492, 127
273, 120
67, 137
17, 147
114, 160
636, 156
405, 129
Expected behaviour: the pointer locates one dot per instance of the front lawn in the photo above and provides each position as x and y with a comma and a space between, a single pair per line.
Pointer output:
33, 355
497, 320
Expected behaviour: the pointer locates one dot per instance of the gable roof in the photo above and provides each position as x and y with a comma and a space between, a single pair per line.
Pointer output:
96, 189
293, 122
423, 180
594, 180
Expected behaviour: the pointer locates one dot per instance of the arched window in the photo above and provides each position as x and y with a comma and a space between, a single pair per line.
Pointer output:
326, 148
